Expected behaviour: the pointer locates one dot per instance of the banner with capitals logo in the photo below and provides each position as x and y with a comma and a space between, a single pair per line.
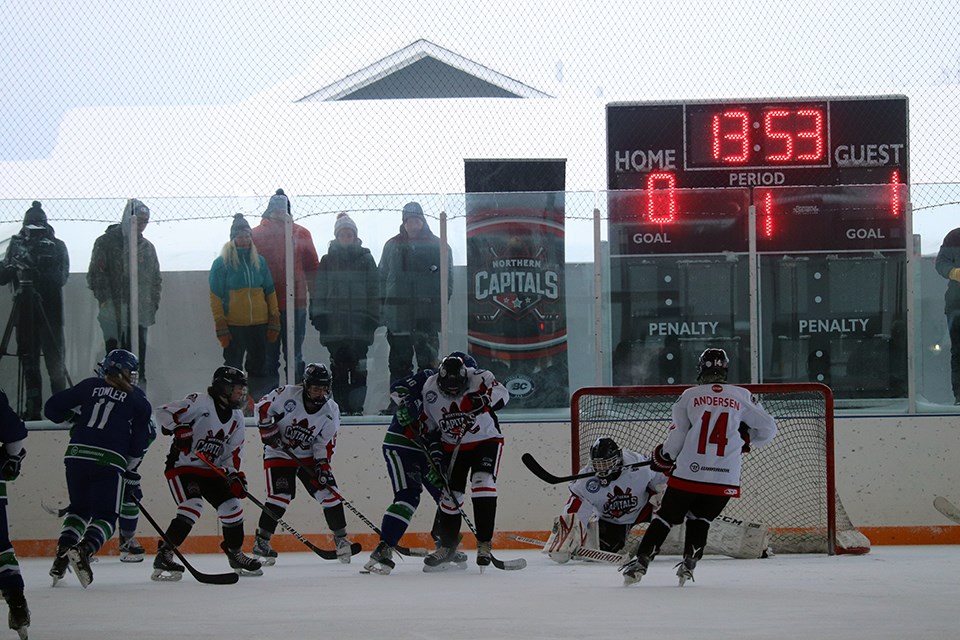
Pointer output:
517, 325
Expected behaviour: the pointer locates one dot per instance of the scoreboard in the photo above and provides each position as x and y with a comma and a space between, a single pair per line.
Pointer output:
827, 179
756, 143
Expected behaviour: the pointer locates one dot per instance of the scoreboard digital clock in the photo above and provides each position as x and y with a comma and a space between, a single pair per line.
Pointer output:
758, 143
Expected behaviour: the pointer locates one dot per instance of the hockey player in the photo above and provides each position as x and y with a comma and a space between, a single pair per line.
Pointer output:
303, 420
465, 441
209, 424
109, 435
603, 508
409, 470
12, 435
714, 423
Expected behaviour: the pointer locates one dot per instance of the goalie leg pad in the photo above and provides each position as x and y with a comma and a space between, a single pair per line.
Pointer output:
568, 534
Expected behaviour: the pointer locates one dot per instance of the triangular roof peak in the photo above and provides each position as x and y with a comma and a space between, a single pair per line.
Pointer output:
421, 70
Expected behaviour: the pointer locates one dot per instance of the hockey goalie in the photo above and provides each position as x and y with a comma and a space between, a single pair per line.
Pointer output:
602, 510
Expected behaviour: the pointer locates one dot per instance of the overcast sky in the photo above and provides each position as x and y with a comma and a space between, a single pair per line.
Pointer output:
61, 55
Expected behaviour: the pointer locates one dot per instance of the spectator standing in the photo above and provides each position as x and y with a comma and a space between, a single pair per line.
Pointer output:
268, 237
948, 266
410, 294
344, 309
109, 279
37, 265
244, 305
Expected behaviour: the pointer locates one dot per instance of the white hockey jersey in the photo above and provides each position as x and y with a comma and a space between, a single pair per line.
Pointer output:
454, 416
623, 500
705, 440
311, 436
220, 442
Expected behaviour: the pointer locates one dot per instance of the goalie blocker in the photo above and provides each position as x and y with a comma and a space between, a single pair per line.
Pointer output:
727, 536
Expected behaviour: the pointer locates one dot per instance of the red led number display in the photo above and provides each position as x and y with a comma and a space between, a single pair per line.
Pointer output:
757, 135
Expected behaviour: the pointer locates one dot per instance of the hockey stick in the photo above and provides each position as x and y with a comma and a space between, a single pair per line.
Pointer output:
947, 508
505, 565
339, 496
205, 578
537, 470
326, 554
581, 552
54, 511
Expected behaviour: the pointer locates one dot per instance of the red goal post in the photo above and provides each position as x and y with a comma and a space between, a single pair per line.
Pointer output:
788, 485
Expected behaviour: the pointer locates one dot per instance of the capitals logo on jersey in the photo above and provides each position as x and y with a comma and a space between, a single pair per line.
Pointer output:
299, 433
620, 502
455, 423
211, 446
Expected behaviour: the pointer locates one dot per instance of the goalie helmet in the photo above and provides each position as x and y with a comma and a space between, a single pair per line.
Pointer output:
119, 362
713, 366
224, 381
452, 376
606, 456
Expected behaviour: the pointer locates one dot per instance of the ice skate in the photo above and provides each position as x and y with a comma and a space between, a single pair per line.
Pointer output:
263, 551
685, 569
484, 554
79, 557
19, 616
381, 560
130, 550
344, 550
635, 569
165, 568
60, 564
241, 563
443, 559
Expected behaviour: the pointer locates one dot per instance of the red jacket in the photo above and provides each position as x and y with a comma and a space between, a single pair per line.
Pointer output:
268, 237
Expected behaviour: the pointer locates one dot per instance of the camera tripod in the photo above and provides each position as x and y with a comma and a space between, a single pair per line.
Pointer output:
34, 334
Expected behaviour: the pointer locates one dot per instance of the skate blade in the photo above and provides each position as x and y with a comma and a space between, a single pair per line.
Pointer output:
246, 573
162, 575
376, 569
683, 577
131, 557
446, 566
22, 632
85, 577
266, 560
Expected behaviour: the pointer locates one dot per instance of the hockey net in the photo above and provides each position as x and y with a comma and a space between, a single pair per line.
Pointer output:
787, 486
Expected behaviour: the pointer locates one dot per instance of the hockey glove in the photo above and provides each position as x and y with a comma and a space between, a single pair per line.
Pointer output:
10, 464
478, 402
325, 474
237, 483
270, 435
406, 415
745, 435
131, 486
183, 438
662, 462
224, 339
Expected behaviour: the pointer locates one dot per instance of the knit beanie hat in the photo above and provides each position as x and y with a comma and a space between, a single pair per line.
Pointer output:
344, 222
278, 207
240, 225
35, 215
413, 210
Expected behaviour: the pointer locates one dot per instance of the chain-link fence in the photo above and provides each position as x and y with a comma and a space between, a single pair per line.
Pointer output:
203, 110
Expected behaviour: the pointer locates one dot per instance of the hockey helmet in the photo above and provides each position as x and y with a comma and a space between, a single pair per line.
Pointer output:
452, 376
122, 363
713, 366
225, 380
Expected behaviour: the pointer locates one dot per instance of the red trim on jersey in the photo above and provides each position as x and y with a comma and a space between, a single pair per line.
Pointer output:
705, 488
467, 446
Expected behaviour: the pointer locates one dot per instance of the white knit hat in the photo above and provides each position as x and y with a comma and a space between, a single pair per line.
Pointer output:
344, 222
